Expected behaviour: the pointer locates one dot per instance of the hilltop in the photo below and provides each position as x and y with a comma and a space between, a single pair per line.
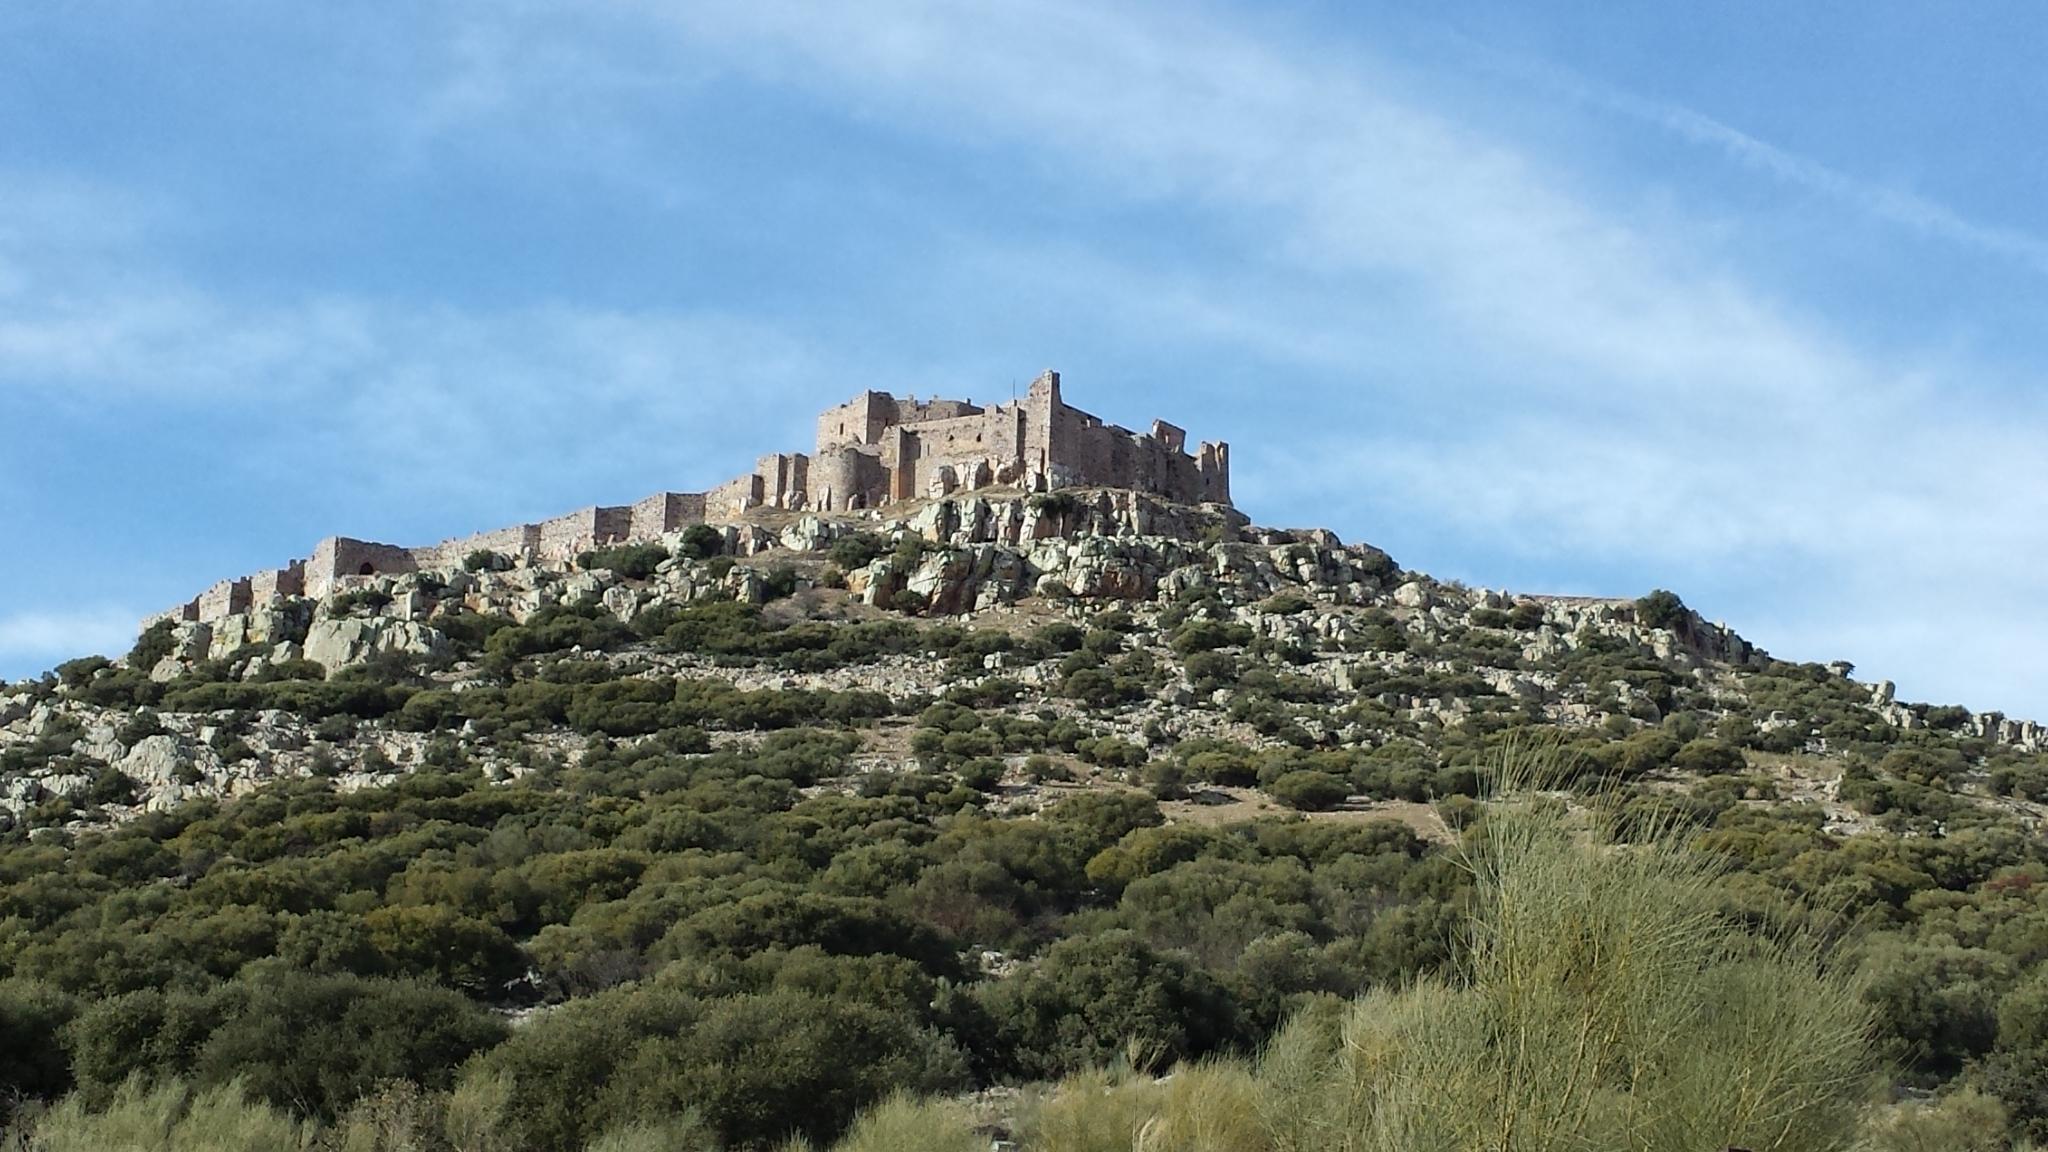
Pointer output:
985, 784
1262, 638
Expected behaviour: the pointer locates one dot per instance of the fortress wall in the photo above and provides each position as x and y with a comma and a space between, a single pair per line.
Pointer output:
858, 421
564, 537
339, 559
734, 497
911, 410
225, 599
614, 525
287, 581
666, 512
1087, 451
520, 540
844, 478
183, 614
784, 478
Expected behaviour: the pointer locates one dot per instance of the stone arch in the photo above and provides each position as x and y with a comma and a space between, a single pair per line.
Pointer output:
367, 569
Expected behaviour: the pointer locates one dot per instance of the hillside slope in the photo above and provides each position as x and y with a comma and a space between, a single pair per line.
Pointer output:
986, 790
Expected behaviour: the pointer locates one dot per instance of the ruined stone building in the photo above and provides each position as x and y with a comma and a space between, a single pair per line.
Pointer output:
875, 449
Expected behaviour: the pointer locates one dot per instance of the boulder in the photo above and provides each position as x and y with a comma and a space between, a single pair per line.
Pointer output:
336, 644
1413, 594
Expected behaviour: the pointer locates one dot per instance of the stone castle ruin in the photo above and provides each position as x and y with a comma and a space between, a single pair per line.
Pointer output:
874, 450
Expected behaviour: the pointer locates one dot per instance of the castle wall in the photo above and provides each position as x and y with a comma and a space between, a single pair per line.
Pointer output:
872, 449
338, 559
911, 410
844, 478
565, 537
183, 614
666, 512
734, 497
785, 477
1086, 451
224, 599
858, 421
520, 540
287, 581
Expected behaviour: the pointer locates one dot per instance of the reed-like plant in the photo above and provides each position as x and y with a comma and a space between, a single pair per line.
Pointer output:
1602, 1006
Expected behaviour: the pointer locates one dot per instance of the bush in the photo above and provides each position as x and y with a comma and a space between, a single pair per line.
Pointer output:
851, 553
1310, 791
155, 643
1091, 999
318, 1043
700, 542
32, 1061
633, 561
755, 1067
1661, 609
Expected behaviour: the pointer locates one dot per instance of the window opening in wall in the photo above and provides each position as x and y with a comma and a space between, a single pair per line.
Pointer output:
368, 569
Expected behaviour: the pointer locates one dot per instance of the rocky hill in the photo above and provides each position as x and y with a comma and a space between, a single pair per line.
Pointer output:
705, 840
1136, 620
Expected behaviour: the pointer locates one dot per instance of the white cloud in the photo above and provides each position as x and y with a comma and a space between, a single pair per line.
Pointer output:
27, 637
1895, 205
1615, 390
1623, 393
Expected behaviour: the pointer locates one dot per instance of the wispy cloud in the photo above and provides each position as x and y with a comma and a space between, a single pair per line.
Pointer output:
1622, 390
27, 637
1880, 201
1599, 385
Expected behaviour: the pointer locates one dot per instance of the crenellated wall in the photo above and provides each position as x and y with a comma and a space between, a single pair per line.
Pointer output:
922, 448
666, 512
871, 450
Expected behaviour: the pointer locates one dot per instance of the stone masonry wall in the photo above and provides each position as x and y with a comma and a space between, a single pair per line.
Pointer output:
871, 450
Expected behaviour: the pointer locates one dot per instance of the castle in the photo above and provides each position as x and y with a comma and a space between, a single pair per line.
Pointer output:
875, 449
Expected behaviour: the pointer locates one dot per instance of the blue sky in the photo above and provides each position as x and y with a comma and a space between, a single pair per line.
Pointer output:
1740, 300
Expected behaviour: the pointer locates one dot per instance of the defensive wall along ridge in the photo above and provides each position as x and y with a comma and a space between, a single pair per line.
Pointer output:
871, 451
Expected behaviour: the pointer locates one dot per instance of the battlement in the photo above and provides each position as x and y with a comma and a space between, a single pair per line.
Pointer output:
910, 448
872, 450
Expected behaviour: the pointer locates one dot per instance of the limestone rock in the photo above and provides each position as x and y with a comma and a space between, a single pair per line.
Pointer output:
334, 644
157, 760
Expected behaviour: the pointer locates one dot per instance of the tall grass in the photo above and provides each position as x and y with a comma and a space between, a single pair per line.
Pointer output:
904, 1124
165, 1118
1601, 1006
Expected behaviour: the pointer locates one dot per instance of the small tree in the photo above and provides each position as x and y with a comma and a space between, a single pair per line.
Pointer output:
1661, 609
700, 542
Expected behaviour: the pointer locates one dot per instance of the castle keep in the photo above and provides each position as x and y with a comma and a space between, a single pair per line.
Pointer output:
876, 449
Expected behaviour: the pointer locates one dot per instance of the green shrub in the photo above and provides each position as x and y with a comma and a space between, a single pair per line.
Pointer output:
1661, 609
32, 1061
632, 561
852, 553
155, 643
1310, 791
700, 542
1091, 999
